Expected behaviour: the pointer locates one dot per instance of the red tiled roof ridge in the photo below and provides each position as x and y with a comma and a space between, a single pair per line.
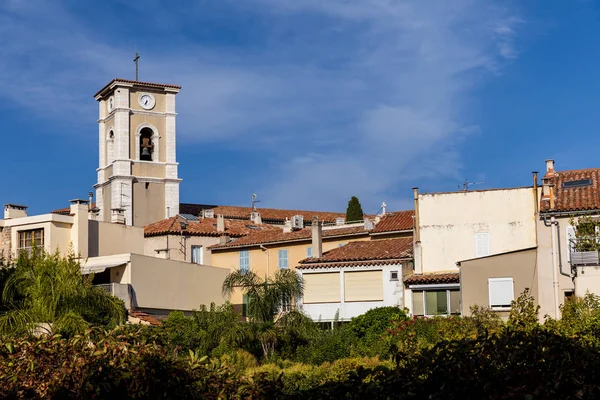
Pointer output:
571, 199
433, 278
204, 227
140, 83
368, 250
273, 236
395, 221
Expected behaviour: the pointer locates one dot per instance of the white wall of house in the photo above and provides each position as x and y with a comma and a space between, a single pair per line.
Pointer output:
467, 224
391, 293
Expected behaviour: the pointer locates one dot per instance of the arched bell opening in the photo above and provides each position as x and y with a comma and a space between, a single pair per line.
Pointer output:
146, 145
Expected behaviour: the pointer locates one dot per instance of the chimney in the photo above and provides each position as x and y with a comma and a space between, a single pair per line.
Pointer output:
368, 224
549, 167
91, 200
317, 238
255, 217
287, 226
14, 211
118, 216
417, 229
548, 184
535, 193
220, 223
76, 205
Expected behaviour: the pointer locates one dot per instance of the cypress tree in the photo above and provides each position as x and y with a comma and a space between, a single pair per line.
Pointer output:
354, 211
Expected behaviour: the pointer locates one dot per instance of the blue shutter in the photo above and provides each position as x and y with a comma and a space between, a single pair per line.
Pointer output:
309, 252
283, 258
244, 260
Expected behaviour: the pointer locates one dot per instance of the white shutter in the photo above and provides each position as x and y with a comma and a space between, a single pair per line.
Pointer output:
322, 287
482, 244
363, 286
501, 291
570, 241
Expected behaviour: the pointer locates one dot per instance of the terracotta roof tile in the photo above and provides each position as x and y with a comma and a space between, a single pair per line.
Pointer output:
432, 278
396, 221
266, 214
66, 210
278, 236
205, 227
145, 317
580, 198
139, 83
364, 252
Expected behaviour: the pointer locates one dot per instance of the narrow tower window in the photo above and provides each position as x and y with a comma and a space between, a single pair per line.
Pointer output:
110, 147
146, 145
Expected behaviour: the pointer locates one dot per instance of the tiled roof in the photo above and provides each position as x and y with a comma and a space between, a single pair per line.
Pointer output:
66, 210
266, 214
278, 236
205, 227
580, 198
148, 84
364, 252
432, 278
147, 318
396, 221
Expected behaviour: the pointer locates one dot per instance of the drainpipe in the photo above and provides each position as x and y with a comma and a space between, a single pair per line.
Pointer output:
263, 248
556, 264
418, 267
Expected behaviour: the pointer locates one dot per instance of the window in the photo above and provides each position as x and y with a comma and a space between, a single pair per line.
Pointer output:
244, 260
146, 145
197, 254
31, 238
436, 302
393, 275
283, 258
309, 252
501, 292
577, 183
482, 244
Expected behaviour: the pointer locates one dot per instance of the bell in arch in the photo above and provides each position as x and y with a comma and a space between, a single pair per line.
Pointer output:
146, 153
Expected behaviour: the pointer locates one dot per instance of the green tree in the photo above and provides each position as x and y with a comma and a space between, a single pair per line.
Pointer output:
354, 211
266, 297
46, 293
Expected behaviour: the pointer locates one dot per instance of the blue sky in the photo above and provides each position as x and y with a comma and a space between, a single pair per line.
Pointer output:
306, 102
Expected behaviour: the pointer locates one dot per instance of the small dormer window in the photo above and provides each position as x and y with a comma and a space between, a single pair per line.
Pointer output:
577, 183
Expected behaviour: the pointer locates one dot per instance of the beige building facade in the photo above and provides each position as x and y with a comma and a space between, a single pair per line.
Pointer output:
494, 281
464, 225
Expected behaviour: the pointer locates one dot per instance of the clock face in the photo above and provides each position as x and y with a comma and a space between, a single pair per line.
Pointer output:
147, 101
111, 104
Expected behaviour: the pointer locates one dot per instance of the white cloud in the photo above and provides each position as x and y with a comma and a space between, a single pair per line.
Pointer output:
378, 88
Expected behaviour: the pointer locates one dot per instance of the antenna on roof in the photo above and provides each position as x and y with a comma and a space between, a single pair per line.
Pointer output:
466, 184
254, 201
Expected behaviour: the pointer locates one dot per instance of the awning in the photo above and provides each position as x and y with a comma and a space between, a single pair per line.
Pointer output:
97, 267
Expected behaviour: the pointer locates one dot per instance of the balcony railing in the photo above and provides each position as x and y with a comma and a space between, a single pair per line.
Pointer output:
584, 251
119, 290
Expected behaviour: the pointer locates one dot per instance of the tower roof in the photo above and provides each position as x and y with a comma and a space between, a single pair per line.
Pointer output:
128, 82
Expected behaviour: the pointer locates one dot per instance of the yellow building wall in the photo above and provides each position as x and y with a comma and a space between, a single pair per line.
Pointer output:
265, 262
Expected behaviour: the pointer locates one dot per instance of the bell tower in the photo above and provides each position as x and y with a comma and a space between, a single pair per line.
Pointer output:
138, 181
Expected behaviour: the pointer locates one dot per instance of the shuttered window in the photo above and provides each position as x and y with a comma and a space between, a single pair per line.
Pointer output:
322, 287
283, 258
244, 260
309, 252
363, 286
482, 244
501, 292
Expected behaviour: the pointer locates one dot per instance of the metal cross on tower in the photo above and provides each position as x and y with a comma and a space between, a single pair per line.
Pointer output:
136, 61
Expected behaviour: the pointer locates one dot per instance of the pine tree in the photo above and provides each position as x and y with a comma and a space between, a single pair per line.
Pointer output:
354, 211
